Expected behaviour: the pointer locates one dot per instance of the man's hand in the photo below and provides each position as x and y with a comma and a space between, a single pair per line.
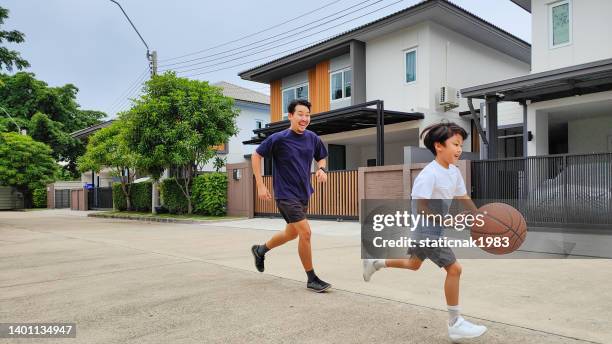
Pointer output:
321, 176
263, 193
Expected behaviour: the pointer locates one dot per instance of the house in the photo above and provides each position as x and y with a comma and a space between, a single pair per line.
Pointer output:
566, 173
409, 65
567, 96
254, 114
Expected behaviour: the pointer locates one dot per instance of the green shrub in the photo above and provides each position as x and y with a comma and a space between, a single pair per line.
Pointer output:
140, 195
39, 198
172, 196
119, 202
209, 194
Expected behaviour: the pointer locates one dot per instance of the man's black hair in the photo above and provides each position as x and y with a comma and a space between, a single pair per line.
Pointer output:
296, 102
441, 132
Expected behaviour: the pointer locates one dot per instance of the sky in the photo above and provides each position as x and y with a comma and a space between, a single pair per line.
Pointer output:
90, 44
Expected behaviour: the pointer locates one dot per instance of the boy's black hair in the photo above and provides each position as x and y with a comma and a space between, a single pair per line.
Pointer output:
440, 132
296, 102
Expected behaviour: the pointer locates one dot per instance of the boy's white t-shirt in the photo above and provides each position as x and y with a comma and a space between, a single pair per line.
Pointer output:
437, 182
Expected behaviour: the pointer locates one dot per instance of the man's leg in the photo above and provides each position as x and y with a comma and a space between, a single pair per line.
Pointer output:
305, 252
282, 237
302, 229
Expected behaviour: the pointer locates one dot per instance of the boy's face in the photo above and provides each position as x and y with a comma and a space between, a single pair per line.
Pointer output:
300, 118
451, 150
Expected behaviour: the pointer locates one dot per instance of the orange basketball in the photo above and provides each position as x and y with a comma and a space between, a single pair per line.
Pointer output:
504, 229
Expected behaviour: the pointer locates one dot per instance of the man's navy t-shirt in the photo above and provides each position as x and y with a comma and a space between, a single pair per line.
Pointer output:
292, 156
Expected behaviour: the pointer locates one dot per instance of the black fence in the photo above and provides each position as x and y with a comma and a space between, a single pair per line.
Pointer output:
100, 198
569, 189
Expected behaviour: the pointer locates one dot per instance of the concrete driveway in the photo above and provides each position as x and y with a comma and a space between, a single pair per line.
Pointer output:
125, 281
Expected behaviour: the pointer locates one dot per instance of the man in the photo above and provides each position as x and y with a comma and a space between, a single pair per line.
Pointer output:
292, 151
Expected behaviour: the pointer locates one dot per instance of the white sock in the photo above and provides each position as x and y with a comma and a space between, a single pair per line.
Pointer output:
379, 264
453, 314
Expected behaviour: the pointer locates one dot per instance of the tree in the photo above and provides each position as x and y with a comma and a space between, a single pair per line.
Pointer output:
25, 164
176, 123
10, 58
107, 148
49, 113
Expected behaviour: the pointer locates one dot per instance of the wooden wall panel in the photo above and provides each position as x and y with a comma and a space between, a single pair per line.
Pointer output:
276, 101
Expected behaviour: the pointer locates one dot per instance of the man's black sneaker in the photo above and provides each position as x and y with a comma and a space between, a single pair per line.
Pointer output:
259, 260
318, 285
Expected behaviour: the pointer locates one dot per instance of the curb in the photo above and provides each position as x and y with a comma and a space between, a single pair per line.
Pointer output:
149, 218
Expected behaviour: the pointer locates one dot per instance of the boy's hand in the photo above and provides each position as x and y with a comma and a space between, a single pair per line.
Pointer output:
321, 176
263, 193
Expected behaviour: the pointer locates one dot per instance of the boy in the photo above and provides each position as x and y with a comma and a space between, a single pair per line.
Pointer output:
292, 151
440, 180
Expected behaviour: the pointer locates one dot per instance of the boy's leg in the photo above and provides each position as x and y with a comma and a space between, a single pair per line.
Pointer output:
451, 284
370, 266
458, 327
412, 263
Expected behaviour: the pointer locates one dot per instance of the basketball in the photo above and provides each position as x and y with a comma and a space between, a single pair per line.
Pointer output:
501, 221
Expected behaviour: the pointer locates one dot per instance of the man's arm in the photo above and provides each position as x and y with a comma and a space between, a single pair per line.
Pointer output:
262, 190
321, 175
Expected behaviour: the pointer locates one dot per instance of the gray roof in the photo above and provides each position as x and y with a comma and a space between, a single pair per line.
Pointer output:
442, 12
524, 4
85, 132
241, 93
584, 78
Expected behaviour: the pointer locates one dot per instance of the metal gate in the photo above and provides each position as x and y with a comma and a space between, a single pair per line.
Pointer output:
62, 199
100, 198
568, 189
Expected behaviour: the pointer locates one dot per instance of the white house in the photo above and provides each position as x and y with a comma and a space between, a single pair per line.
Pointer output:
567, 96
254, 114
406, 60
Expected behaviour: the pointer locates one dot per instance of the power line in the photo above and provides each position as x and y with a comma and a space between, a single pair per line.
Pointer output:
290, 32
241, 64
125, 92
253, 34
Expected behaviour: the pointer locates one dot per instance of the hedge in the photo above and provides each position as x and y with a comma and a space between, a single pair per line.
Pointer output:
39, 198
172, 197
209, 194
141, 196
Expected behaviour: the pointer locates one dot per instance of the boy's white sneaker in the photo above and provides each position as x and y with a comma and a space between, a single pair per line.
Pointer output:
464, 329
368, 269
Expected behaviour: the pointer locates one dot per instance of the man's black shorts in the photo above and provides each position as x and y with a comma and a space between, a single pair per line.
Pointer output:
293, 210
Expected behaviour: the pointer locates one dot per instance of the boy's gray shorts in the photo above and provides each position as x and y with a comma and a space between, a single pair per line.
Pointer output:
441, 256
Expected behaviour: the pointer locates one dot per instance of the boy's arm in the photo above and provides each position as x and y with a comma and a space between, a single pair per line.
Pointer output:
467, 203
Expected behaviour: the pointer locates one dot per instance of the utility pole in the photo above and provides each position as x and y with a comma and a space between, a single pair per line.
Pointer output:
152, 58
152, 62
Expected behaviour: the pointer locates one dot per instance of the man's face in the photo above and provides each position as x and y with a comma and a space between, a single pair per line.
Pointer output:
451, 151
300, 118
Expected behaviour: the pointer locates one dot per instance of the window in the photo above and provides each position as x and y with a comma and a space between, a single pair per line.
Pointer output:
410, 65
289, 94
258, 124
559, 19
341, 84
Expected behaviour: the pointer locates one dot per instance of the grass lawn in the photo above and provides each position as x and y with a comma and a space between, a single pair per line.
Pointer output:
129, 214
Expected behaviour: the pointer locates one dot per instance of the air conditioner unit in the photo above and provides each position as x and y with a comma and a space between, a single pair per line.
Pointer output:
449, 97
